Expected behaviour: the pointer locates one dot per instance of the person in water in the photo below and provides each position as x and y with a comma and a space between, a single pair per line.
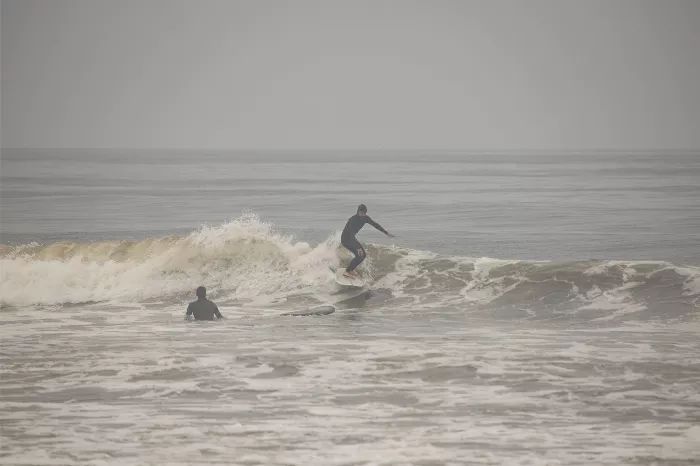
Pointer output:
202, 309
348, 240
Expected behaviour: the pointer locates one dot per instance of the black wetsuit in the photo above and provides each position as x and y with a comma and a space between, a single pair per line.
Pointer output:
347, 238
203, 309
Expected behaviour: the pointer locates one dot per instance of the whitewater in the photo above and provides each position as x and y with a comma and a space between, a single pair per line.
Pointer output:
533, 309
247, 261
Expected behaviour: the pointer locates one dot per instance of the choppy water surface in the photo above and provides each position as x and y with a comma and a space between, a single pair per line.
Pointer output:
534, 310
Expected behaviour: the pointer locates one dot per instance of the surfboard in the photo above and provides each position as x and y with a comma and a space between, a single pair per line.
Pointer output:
346, 281
314, 311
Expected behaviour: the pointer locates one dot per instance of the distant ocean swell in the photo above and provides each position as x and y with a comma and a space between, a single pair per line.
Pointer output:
246, 259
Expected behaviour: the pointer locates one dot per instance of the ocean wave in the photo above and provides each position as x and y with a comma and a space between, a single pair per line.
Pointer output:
247, 259
244, 258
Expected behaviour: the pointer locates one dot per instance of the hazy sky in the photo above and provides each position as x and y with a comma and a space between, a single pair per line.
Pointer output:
460, 74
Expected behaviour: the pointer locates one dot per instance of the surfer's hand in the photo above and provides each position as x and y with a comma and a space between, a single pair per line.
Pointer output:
390, 235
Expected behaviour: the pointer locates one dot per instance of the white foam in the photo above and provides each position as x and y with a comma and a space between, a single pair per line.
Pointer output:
244, 258
248, 261
408, 266
691, 286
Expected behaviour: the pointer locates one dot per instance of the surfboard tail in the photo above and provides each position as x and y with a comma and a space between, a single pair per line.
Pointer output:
341, 279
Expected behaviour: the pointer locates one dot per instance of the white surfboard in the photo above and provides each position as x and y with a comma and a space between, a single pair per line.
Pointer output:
314, 311
347, 281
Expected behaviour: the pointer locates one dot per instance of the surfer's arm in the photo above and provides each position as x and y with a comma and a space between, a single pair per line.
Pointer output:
377, 226
189, 311
217, 313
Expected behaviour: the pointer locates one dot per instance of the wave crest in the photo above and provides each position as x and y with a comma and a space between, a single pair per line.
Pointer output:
246, 259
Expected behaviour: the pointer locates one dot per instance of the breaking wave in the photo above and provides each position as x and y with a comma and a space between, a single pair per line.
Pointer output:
246, 259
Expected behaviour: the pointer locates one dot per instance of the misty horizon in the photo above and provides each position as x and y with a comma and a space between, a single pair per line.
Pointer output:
438, 76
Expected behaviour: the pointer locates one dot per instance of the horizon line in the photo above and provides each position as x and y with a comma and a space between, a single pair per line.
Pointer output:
366, 149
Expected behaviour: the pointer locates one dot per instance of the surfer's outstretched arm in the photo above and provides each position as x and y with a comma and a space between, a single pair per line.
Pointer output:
378, 226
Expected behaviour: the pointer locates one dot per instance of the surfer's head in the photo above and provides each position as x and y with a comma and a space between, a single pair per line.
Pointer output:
201, 292
362, 210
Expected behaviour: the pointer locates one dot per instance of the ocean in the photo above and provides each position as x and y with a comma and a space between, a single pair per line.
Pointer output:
533, 309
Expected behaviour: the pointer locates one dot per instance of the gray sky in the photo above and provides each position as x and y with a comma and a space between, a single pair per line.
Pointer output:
460, 74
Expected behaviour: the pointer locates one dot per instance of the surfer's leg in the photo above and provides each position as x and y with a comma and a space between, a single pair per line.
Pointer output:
357, 260
350, 245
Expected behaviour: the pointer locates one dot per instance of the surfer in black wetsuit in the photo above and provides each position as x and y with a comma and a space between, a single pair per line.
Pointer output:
202, 309
347, 238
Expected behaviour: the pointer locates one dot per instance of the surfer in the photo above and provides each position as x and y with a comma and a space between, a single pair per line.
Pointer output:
202, 309
348, 240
